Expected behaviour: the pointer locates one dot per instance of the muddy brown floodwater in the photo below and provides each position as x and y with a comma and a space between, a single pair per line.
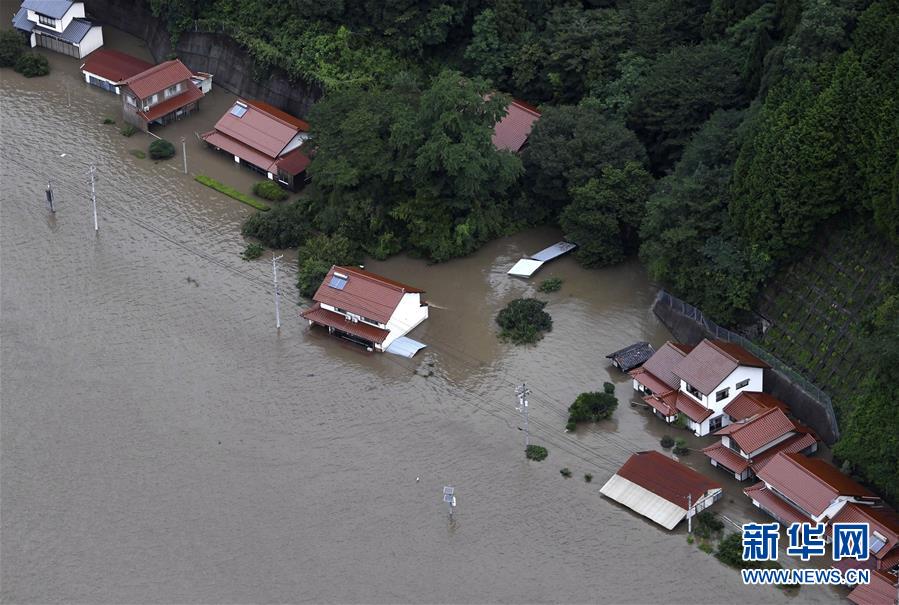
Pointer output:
161, 442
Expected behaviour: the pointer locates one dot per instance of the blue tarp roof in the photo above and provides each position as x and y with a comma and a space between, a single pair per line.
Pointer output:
74, 33
51, 8
20, 21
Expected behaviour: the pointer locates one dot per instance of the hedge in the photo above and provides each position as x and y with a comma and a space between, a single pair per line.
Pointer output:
231, 192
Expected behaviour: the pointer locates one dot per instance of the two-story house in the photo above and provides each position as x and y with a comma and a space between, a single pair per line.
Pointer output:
58, 25
797, 489
748, 443
366, 308
883, 536
159, 95
711, 375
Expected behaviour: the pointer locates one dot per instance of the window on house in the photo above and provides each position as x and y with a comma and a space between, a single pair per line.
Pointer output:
694, 391
715, 424
338, 281
722, 394
238, 110
45, 20
742, 384
172, 90
152, 100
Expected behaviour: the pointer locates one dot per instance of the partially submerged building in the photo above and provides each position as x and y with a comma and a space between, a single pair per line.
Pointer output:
512, 131
59, 25
631, 357
265, 139
882, 590
159, 95
106, 68
368, 309
883, 536
661, 489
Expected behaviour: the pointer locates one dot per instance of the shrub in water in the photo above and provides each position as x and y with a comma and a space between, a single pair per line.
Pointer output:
708, 524
570, 425
553, 284
128, 130
269, 190
12, 45
108, 121
680, 447
536, 452
667, 441
523, 321
137, 153
566, 472
31, 65
252, 251
608, 387
592, 406
161, 149
588, 477
283, 227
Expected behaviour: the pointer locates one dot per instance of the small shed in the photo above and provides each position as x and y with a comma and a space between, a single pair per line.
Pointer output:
661, 489
631, 357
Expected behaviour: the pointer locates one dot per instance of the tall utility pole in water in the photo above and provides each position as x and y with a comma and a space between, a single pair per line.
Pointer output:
94, 200
277, 290
523, 391
50, 196
184, 153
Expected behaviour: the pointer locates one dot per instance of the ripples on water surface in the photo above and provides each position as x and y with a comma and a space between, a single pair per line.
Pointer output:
161, 443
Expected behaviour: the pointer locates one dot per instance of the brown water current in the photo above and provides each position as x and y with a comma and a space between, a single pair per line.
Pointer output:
162, 442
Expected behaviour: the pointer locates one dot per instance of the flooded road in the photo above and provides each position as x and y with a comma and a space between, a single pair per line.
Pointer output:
161, 442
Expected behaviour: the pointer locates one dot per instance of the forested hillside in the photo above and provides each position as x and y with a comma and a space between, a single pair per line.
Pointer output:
713, 138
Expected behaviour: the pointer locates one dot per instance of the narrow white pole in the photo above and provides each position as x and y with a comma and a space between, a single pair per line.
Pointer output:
277, 291
94, 200
50, 196
689, 517
523, 393
184, 153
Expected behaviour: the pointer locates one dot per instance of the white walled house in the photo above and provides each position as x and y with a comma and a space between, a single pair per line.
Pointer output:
60, 26
710, 376
366, 308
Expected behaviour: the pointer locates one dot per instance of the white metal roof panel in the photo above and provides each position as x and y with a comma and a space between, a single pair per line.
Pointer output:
526, 267
554, 251
405, 346
643, 501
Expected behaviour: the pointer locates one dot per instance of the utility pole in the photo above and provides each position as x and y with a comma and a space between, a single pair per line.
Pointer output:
184, 153
277, 290
450, 498
523, 391
94, 200
689, 516
50, 196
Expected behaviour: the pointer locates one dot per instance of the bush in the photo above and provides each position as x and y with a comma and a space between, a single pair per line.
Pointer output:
230, 192
269, 190
108, 121
566, 472
730, 551
553, 284
160, 149
284, 227
252, 251
680, 447
608, 388
571, 425
128, 130
32, 64
588, 477
667, 441
536, 452
707, 524
12, 45
591, 406
523, 321
316, 257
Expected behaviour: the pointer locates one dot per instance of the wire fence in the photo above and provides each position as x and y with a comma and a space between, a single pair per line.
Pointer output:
689, 311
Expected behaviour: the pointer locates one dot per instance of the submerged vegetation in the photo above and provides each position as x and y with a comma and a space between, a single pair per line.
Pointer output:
230, 192
523, 321
552, 284
536, 452
269, 190
592, 407
32, 65
160, 149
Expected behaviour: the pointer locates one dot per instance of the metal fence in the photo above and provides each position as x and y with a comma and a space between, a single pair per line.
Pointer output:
691, 312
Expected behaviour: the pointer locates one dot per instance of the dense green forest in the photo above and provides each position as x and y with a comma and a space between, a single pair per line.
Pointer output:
712, 138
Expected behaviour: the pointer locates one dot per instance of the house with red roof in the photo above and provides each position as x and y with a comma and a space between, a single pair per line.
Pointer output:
798, 489
661, 489
265, 139
883, 536
882, 590
159, 95
105, 68
512, 131
749, 443
367, 308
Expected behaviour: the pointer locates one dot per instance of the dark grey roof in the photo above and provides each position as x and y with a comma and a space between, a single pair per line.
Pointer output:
633, 356
51, 8
74, 33
20, 21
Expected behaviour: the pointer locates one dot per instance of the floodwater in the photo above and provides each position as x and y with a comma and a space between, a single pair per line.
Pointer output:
162, 442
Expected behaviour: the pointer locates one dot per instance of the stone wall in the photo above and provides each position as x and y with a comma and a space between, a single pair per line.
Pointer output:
218, 54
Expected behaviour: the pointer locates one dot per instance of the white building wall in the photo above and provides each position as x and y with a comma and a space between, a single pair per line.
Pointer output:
408, 314
295, 142
76, 11
91, 42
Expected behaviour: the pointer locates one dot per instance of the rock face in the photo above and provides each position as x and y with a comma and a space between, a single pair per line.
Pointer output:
232, 68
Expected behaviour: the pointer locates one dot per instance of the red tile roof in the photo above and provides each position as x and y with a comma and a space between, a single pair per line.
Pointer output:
666, 478
880, 591
758, 431
263, 128
663, 361
664, 403
293, 162
771, 502
338, 321
890, 560
280, 115
367, 294
710, 362
649, 380
750, 403
158, 78
691, 409
809, 482
234, 147
796, 443
880, 518
726, 457
177, 102
512, 131
114, 65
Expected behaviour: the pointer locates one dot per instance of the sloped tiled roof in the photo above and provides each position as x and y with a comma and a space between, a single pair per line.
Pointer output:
726, 457
663, 362
20, 21
158, 78
113, 65
293, 162
775, 505
258, 129
169, 105
666, 478
750, 403
52, 8
632, 356
880, 591
691, 409
664, 403
74, 33
880, 518
710, 362
649, 380
512, 131
795, 444
338, 321
367, 294
759, 430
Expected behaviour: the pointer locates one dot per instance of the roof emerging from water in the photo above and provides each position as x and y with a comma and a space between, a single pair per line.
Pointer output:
632, 356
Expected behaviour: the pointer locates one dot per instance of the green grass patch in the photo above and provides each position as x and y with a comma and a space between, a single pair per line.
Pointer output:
269, 190
137, 153
231, 192
108, 121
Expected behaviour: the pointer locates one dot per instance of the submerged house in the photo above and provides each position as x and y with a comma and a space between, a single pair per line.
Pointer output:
58, 25
656, 375
107, 68
512, 131
631, 357
883, 536
159, 95
265, 139
882, 590
748, 443
661, 489
366, 308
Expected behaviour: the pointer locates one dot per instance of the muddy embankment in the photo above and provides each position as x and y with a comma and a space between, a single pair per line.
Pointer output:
233, 69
